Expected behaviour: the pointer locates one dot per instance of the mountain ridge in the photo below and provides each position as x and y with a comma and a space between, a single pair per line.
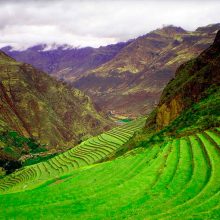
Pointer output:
148, 64
63, 60
136, 71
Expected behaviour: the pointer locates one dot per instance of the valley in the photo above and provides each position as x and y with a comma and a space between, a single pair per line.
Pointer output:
117, 75
125, 131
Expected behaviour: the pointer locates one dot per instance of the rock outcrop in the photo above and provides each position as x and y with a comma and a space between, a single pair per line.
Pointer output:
191, 83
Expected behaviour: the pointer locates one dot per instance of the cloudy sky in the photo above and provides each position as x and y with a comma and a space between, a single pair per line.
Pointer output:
96, 22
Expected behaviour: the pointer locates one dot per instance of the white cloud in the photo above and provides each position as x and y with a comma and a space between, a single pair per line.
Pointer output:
94, 23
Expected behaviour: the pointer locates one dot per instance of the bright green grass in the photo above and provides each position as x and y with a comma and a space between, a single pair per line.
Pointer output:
89, 152
177, 180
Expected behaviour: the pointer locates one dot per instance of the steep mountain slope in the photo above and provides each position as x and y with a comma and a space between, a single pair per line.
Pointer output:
189, 103
140, 71
195, 80
38, 106
65, 62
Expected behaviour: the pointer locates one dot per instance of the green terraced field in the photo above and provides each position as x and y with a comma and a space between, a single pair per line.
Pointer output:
177, 180
91, 151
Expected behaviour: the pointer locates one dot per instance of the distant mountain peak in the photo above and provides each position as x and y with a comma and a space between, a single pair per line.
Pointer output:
5, 57
50, 47
170, 30
211, 28
174, 28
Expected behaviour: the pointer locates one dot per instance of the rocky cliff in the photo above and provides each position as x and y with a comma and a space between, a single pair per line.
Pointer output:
191, 83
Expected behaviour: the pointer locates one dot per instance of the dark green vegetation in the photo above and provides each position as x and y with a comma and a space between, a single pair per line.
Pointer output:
12, 147
125, 120
202, 115
12, 138
172, 174
37, 159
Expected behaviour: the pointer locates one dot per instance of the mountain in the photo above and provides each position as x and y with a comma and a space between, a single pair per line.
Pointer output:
172, 174
63, 61
189, 103
40, 107
125, 78
133, 80
195, 80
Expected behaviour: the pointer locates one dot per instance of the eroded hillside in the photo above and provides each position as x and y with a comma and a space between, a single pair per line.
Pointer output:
38, 106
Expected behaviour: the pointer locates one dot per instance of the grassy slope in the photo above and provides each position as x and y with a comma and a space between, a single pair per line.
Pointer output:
201, 116
161, 182
94, 150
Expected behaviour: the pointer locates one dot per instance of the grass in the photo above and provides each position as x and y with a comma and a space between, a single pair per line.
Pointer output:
125, 120
202, 115
178, 179
91, 151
